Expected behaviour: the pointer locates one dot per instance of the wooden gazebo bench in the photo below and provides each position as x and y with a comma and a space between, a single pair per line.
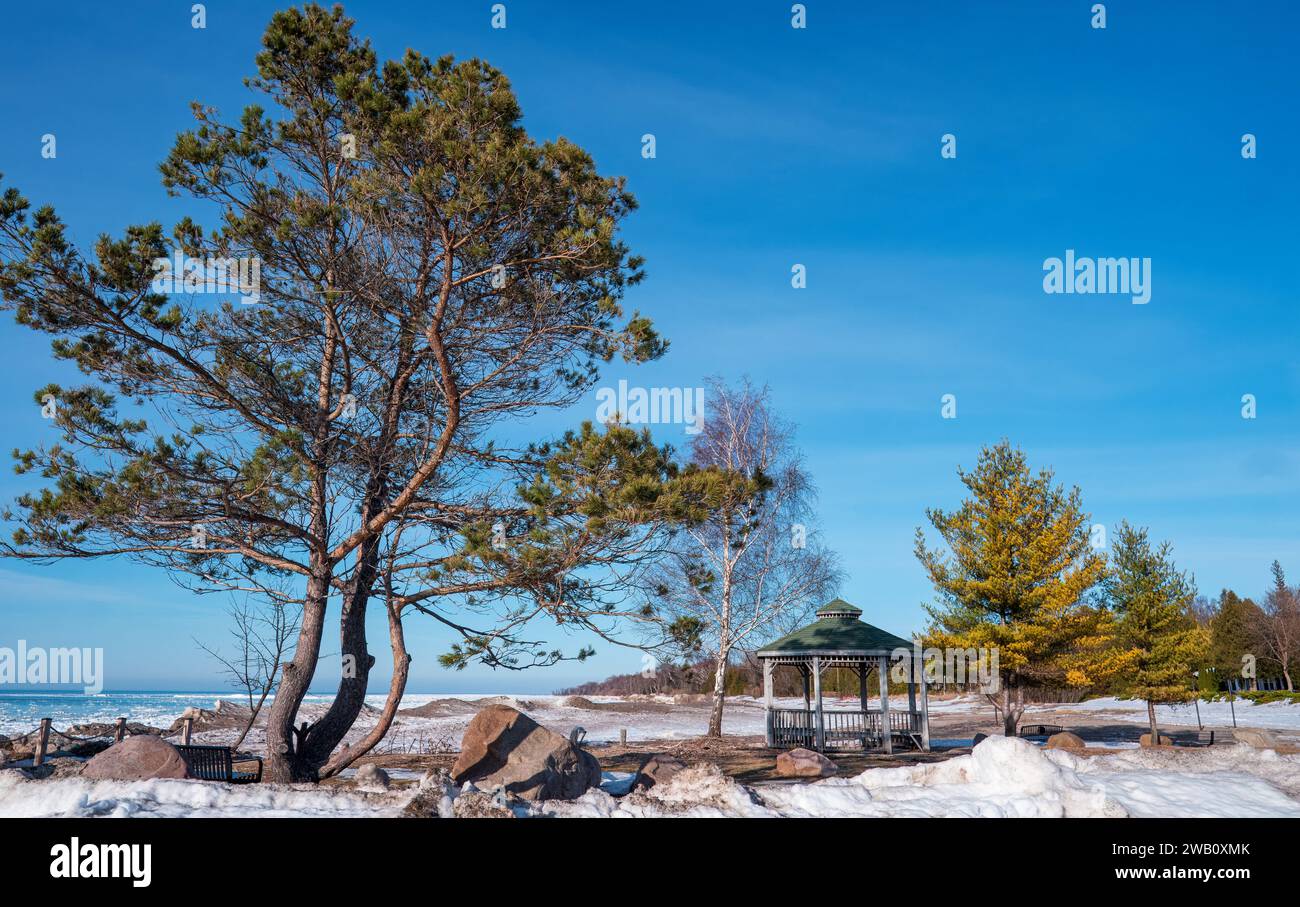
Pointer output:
217, 763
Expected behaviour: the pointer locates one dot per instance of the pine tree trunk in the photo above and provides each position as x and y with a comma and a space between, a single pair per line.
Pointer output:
719, 694
282, 762
396, 687
1151, 716
296, 754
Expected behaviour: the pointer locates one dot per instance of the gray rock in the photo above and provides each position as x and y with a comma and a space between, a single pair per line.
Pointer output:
804, 763
658, 769
1066, 741
137, 758
503, 747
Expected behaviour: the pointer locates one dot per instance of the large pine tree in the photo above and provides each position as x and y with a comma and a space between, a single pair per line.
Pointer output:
1016, 577
428, 273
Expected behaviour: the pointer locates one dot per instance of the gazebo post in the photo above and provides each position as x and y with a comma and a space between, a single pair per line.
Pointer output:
807, 700
817, 687
862, 696
767, 700
886, 735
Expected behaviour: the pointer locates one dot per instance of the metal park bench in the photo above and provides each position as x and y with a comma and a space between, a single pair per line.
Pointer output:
1040, 730
217, 763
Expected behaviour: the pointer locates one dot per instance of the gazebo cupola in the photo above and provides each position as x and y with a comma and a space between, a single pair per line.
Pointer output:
841, 638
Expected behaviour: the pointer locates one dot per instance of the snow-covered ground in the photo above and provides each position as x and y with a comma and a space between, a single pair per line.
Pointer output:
1276, 715
431, 723
1001, 777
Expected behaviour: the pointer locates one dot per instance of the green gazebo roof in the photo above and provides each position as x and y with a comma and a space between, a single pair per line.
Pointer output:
839, 629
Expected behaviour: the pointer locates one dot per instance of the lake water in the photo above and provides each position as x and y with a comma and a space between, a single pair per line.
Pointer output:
21, 712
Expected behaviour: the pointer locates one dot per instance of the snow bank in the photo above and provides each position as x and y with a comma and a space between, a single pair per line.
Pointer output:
73, 797
1000, 777
1003, 776
1226, 781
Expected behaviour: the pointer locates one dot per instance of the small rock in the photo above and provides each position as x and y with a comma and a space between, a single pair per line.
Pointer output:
371, 777
658, 769
137, 758
1066, 741
802, 763
1145, 740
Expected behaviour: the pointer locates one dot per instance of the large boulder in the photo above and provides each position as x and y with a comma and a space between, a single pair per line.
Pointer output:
503, 747
137, 758
1145, 740
1256, 737
802, 763
658, 769
1066, 741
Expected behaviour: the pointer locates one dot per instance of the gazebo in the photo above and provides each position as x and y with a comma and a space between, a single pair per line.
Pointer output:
840, 638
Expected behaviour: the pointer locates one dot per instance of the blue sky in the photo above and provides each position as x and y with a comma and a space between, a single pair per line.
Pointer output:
820, 146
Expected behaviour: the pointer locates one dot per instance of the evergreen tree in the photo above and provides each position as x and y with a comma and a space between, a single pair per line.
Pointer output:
1231, 634
1158, 640
1016, 577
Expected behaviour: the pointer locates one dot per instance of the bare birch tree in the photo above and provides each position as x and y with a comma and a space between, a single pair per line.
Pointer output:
756, 561
1277, 625
263, 640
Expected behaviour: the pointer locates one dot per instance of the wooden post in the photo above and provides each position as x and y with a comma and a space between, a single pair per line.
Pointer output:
767, 701
817, 688
911, 686
925, 710
120, 731
862, 698
42, 741
185, 731
622, 736
885, 733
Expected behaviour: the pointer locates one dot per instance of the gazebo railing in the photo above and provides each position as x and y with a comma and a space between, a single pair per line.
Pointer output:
798, 727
